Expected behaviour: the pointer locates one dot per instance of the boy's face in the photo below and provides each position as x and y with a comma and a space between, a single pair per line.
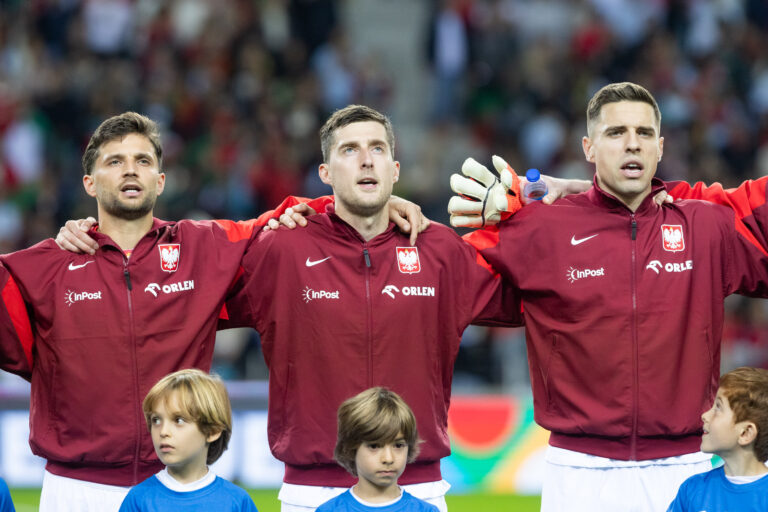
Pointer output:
178, 441
721, 432
380, 465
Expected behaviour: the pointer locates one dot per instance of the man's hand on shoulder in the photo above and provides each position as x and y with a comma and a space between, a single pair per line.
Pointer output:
559, 187
73, 236
293, 217
406, 214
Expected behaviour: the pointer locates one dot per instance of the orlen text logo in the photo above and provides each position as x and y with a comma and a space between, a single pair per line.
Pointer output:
71, 297
309, 294
574, 274
655, 265
182, 286
421, 291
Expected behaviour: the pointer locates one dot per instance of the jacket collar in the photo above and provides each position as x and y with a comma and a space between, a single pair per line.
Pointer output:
158, 226
343, 228
605, 200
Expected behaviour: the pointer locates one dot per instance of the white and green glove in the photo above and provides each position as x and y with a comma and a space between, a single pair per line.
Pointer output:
483, 198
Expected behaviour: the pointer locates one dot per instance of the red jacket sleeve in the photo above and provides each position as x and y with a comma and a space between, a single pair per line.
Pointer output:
237, 230
748, 201
16, 339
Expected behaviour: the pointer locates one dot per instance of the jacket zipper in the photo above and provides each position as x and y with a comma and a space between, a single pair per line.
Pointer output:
369, 330
635, 348
132, 341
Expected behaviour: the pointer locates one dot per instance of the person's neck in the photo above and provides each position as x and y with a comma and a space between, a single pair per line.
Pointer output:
125, 233
743, 463
368, 227
371, 493
187, 474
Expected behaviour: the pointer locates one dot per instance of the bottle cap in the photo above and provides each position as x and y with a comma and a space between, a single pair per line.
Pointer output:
532, 175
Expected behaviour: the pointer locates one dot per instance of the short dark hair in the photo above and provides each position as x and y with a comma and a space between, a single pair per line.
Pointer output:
377, 415
747, 392
621, 91
117, 127
202, 398
353, 114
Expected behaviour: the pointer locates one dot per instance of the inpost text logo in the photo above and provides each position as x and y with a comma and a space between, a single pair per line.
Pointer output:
574, 274
309, 294
71, 297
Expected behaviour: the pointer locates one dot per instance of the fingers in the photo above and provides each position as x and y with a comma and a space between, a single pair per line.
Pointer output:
467, 187
272, 224
74, 236
81, 239
302, 209
551, 196
478, 171
466, 221
662, 197
287, 219
460, 206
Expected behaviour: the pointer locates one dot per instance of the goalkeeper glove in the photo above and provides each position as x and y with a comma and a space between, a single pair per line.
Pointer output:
483, 199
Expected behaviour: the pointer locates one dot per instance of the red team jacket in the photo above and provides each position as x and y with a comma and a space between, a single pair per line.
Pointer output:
338, 315
624, 313
106, 329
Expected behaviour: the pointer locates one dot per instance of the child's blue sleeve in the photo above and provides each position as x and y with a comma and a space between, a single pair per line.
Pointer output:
680, 501
6, 504
247, 504
130, 503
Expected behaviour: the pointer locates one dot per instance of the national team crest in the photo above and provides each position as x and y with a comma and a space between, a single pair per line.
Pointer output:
408, 260
672, 236
169, 256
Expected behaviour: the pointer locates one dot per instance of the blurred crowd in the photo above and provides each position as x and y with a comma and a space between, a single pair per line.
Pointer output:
241, 88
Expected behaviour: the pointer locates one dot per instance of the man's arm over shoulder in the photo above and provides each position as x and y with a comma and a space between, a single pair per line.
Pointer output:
745, 259
485, 297
237, 230
746, 200
256, 282
16, 338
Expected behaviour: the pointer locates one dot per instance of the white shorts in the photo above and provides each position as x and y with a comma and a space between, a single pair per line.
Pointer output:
306, 498
608, 484
62, 494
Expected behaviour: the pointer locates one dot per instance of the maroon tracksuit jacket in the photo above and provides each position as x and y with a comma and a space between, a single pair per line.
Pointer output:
624, 312
339, 315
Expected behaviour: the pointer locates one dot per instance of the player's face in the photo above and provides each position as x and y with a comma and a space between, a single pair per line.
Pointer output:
625, 147
360, 169
178, 441
126, 178
379, 465
721, 432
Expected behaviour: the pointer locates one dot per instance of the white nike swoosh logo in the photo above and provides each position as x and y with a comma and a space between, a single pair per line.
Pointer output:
313, 263
72, 266
577, 242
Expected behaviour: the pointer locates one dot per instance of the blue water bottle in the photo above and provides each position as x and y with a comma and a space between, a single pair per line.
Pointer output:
535, 189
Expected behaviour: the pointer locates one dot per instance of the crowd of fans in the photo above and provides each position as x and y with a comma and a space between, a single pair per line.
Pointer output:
241, 87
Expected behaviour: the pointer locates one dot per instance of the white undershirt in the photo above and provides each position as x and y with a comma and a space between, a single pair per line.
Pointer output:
369, 504
167, 480
741, 480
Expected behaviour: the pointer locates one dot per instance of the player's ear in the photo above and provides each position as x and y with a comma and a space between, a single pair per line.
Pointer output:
589, 151
214, 436
324, 172
160, 183
747, 433
88, 185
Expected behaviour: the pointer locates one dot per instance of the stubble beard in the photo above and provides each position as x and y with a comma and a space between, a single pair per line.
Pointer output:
365, 210
118, 209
